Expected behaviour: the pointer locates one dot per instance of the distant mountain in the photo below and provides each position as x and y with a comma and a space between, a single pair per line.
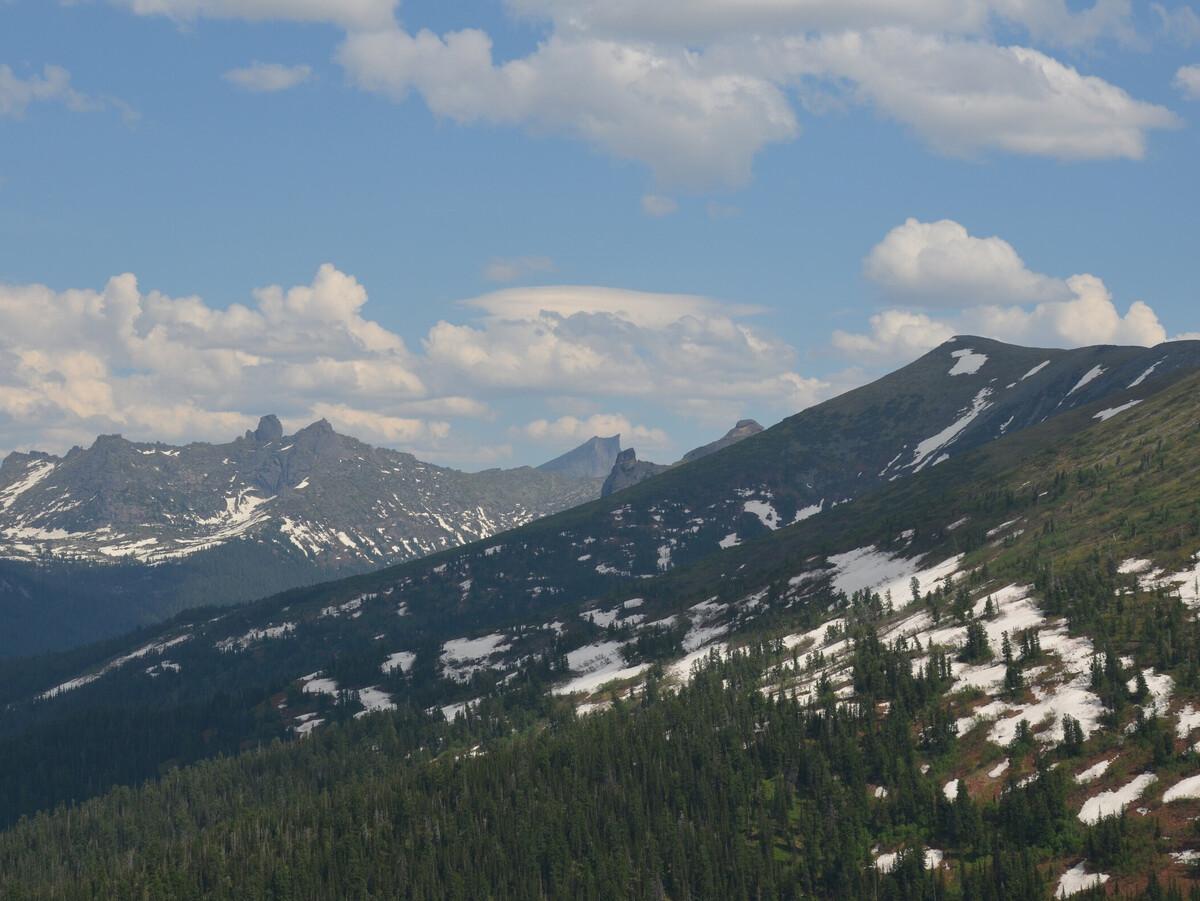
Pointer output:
230, 522
593, 459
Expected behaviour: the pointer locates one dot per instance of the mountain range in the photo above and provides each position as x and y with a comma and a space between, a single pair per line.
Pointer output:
965, 591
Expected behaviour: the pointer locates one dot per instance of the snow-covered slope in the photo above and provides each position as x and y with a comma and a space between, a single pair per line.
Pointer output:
329, 498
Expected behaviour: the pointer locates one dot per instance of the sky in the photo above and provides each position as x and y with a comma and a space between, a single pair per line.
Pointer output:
485, 231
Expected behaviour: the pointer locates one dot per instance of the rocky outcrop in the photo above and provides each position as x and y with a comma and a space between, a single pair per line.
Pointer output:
629, 470
744, 429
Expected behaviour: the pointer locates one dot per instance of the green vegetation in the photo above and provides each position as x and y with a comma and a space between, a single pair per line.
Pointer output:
729, 786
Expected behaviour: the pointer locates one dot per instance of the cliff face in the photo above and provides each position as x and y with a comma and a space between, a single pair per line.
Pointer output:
629, 470
593, 459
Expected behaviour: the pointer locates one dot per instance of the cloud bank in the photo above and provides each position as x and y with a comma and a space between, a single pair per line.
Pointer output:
77, 363
696, 89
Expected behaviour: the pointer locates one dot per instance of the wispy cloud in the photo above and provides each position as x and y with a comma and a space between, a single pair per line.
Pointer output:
268, 77
513, 269
53, 85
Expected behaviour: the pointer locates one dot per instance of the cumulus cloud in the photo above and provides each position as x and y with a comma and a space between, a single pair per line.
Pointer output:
895, 335
935, 264
1187, 80
268, 77
173, 368
350, 14
78, 363
692, 122
54, 84
689, 354
572, 430
987, 290
966, 97
514, 269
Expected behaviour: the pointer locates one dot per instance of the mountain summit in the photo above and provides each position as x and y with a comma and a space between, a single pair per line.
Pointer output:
593, 459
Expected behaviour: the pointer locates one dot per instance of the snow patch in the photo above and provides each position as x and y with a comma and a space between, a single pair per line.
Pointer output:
1035, 370
241, 642
1106, 415
401, 660
765, 512
34, 474
1093, 373
374, 699
597, 664
1185, 788
931, 445
1094, 772
1076, 880
315, 684
968, 362
1114, 802
1145, 375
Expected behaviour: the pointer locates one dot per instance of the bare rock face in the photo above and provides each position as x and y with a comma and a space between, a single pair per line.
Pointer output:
744, 429
593, 459
269, 428
629, 470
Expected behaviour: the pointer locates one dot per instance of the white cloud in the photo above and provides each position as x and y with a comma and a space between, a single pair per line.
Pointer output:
689, 355
966, 96
77, 363
657, 205
695, 89
350, 14
990, 292
174, 368
702, 20
935, 264
692, 122
268, 77
371, 426
644, 309
573, 430
895, 335
54, 84
514, 269
1187, 80
1090, 317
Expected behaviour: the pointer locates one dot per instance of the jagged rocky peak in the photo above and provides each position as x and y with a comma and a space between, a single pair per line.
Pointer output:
629, 470
269, 429
744, 429
594, 459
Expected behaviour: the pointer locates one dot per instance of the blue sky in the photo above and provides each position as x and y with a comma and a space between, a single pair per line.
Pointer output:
484, 231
